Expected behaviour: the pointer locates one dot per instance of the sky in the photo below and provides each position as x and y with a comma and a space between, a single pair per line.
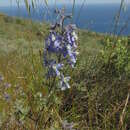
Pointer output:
13, 2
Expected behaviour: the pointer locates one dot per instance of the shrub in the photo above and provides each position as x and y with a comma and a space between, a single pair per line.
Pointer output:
19, 21
8, 19
115, 56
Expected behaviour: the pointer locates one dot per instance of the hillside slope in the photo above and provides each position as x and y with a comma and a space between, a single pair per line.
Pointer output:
97, 97
17, 36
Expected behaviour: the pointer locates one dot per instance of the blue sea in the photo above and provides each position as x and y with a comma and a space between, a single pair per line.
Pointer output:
95, 17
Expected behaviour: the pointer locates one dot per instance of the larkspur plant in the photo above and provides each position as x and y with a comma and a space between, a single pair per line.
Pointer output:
60, 50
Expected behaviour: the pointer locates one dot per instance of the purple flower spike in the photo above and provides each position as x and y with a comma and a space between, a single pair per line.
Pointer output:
60, 50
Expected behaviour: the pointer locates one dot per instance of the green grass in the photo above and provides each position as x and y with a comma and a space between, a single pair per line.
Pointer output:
96, 98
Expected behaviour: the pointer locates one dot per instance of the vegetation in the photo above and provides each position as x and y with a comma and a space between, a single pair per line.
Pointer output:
99, 94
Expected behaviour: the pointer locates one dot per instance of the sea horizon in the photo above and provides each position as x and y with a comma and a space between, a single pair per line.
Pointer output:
94, 17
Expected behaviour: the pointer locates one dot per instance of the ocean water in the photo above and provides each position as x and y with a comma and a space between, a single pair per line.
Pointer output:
95, 17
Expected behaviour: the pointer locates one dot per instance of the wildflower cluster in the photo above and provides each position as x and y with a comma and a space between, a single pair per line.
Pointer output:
4, 86
60, 50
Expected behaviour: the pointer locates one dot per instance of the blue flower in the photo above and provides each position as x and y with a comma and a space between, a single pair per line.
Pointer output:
7, 97
7, 85
57, 68
64, 83
72, 55
57, 44
53, 43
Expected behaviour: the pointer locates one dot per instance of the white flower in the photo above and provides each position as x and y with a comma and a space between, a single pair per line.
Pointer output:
77, 53
75, 35
53, 37
69, 47
64, 83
